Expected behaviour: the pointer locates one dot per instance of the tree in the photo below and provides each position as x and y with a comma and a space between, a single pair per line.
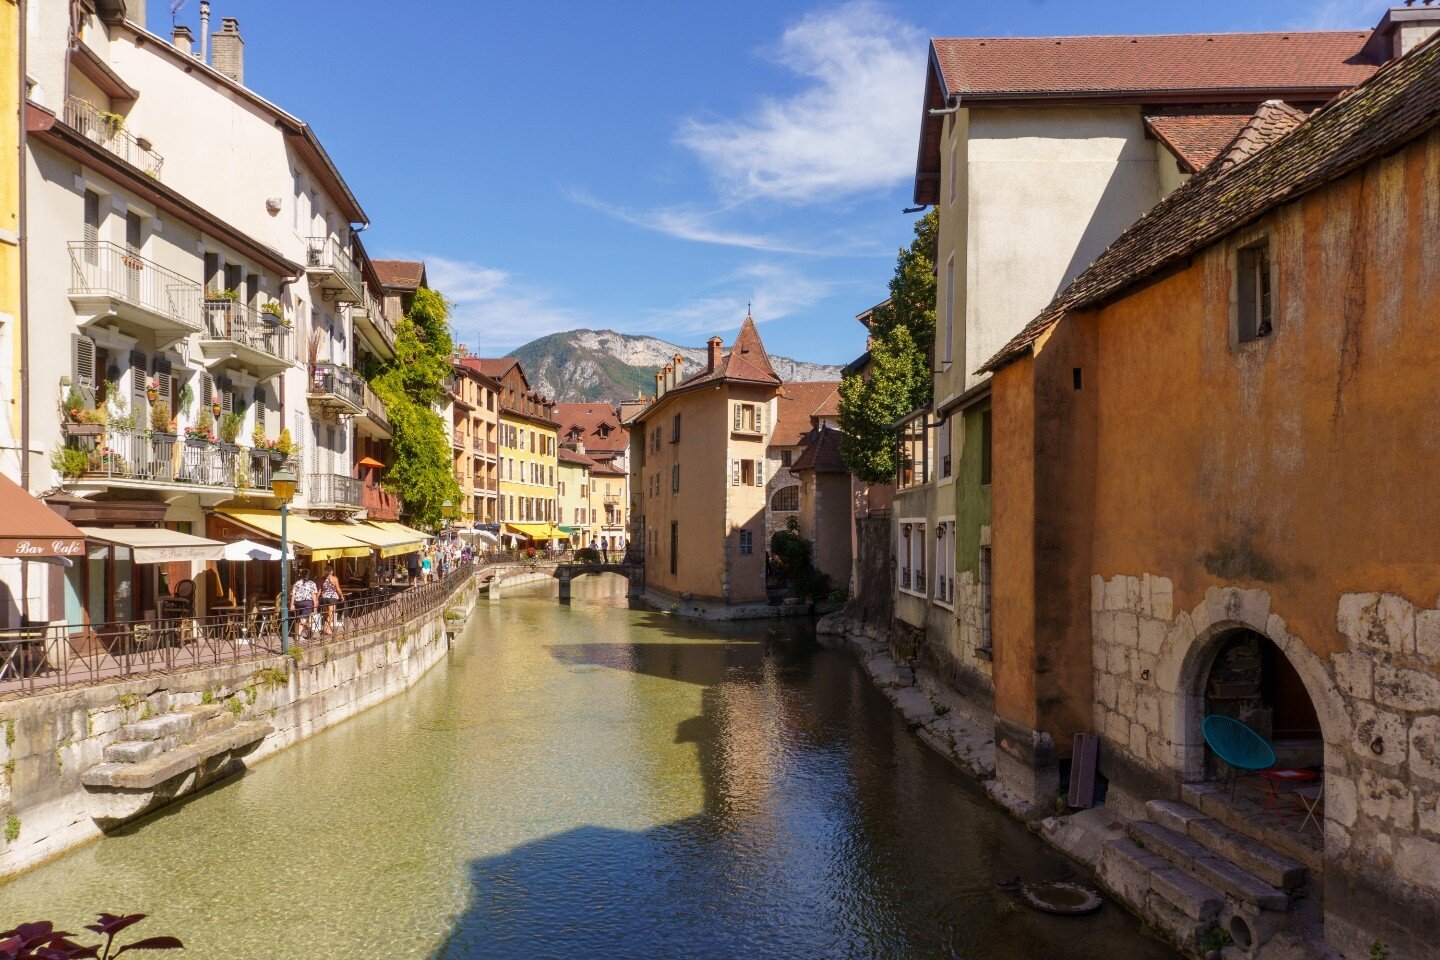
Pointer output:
410, 384
902, 332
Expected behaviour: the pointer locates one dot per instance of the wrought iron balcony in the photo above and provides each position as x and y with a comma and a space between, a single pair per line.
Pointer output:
379, 503
334, 491
333, 271
333, 386
372, 324
376, 422
141, 457
108, 130
110, 280
249, 337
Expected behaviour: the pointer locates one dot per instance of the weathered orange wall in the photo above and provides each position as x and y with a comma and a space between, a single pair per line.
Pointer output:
1307, 462
1012, 542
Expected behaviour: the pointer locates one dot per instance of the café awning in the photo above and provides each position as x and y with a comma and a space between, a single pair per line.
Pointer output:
32, 531
322, 541
536, 531
389, 543
158, 545
400, 528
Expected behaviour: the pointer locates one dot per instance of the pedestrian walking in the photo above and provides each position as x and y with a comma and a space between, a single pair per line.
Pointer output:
330, 597
302, 602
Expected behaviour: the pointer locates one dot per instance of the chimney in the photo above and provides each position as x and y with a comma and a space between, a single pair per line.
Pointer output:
712, 359
135, 11
1402, 29
580, 447
229, 55
184, 40
678, 361
659, 384
669, 376
204, 31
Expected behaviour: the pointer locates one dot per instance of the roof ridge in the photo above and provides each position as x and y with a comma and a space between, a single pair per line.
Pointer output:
1164, 36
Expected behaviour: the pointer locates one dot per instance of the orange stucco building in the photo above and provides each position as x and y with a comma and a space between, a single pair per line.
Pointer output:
1215, 466
698, 483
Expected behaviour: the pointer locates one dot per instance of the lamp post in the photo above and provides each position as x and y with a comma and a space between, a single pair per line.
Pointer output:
282, 484
447, 510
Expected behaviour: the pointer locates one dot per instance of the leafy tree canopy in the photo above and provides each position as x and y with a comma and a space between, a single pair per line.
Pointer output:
902, 332
410, 384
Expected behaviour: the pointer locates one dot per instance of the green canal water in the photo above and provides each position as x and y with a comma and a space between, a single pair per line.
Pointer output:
591, 781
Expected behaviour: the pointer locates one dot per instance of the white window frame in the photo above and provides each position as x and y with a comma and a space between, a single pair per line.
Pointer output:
910, 554
942, 590
949, 311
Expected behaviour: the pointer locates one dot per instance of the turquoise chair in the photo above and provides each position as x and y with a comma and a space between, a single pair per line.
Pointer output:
1240, 747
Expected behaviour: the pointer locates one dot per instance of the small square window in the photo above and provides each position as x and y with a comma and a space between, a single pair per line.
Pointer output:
747, 543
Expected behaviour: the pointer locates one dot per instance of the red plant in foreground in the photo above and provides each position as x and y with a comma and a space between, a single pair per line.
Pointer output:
41, 941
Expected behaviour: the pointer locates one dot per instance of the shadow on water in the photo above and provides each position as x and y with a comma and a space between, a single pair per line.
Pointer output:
826, 830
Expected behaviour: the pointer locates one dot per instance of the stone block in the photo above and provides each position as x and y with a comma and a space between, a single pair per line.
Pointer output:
1427, 811
1162, 598
1417, 862
1427, 635
1340, 799
1387, 800
1117, 729
1425, 748
1107, 689
1147, 711
1125, 700
1353, 673
1406, 689
1152, 636
1380, 736
1382, 621
1097, 592
1115, 593
1173, 816
1117, 659
1125, 629
1139, 742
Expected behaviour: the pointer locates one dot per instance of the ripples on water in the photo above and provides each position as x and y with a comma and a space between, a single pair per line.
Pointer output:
588, 781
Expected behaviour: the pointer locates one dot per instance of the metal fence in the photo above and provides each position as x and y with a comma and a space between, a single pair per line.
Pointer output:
324, 253
339, 381
234, 321
334, 488
166, 458
50, 657
102, 268
108, 130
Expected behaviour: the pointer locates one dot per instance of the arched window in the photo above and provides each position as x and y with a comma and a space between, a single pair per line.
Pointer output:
786, 498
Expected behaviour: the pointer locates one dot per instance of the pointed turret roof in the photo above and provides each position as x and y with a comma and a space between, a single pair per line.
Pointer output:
747, 359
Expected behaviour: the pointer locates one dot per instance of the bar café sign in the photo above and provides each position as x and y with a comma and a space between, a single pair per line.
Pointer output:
24, 547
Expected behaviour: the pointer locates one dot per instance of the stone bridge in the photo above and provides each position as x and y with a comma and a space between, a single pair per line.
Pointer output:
514, 575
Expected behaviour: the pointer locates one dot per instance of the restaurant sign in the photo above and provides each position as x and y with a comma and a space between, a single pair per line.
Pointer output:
24, 547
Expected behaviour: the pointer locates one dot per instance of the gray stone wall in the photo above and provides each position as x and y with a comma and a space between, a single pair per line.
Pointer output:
51, 739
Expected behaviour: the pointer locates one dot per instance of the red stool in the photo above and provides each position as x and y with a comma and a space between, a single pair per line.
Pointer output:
1276, 776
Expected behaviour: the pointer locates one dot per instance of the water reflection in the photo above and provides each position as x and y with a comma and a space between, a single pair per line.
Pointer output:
589, 781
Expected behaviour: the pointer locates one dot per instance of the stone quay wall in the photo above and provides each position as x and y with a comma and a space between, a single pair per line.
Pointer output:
51, 739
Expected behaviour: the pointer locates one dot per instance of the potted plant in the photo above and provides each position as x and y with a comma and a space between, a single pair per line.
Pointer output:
202, 433
284, 444
152, 390
227, 295
80, 420
162, 425
258, 439
230, 425
186, 397
273, 310
70, 462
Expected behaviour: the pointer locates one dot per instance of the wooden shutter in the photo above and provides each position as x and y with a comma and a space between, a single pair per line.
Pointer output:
207, 390
165, 382
139, 373
760, 472
738, 407
132, 232
760, 409
92, 217
735, 467
84, 355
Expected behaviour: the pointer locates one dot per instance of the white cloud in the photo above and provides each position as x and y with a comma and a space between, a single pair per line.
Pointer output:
851, 131
492, 312
771, 291
1343, 15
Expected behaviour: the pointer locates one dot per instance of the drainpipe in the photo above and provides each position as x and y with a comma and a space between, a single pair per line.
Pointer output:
23, 319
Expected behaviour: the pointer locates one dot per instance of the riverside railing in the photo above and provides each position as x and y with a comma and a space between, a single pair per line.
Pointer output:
102, 268
108, 130
46, 657
232, 320
166, 458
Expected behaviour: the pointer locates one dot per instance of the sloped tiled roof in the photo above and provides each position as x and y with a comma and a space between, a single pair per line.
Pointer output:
1197, 138
823, 454
1398, 104
400, 274
1295, 60
492, 367
797, 403
566, 455
1271, 121
587, 418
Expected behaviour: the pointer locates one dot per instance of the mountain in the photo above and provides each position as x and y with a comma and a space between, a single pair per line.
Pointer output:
581, 365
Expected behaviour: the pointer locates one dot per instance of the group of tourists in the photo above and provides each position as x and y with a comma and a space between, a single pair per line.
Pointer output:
315, 604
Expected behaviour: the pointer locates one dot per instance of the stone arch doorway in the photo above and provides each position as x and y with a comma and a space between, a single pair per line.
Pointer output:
1251, 680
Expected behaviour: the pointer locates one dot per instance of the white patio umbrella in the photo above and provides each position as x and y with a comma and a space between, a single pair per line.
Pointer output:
244, 550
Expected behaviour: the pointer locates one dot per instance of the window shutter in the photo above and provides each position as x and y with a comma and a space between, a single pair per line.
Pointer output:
760, 472
92, 217
737, 415
138, 376
207, 390
227, 402
164, 380
734, 473
84, 349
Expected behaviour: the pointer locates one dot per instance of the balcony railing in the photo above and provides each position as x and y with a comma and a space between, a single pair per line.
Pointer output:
375, 407
334, 490
143, 456
326, 256
333, 380
234, 321
109, 270
108, 130
373, 310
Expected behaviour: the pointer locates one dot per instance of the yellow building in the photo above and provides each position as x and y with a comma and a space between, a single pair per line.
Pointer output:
10, 200
576, 492
697, 478
526, 457
475, 441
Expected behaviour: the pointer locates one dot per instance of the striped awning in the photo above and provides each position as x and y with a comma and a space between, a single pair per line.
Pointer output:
320, 540
388, 543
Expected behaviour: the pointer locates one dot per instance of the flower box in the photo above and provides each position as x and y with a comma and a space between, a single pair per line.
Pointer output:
84, 429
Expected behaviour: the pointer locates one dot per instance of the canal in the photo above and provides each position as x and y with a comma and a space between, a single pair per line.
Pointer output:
590, 781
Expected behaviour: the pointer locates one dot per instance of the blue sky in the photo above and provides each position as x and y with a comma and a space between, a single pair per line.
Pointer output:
646, 165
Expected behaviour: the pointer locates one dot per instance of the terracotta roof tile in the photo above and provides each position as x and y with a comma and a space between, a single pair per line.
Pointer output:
566, 455
797, 403
1197, 138
1401, 102
1271, 121
1010, 66
586, 419
400, 274
492, 367
823, 454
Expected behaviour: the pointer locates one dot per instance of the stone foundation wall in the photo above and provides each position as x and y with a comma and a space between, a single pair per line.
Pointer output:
50, 739
1378, 703
873, 601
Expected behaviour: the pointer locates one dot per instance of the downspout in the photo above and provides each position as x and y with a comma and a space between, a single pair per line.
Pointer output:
23, 319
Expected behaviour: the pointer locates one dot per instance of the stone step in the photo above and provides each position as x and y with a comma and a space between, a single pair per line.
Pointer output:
201, 712
1210, 869
157, 728
1251, 856
1140, 872
222, 720
1213, 799
152, 771
133, 751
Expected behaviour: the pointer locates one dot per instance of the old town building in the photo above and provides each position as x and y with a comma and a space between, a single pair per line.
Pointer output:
475, 437
526, 454
599, 428
800, 409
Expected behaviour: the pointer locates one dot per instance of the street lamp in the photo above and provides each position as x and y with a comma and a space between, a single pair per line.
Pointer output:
282, 484
447, 510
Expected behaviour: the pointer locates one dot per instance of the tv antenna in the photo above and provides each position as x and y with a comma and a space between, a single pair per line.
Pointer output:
175, 7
